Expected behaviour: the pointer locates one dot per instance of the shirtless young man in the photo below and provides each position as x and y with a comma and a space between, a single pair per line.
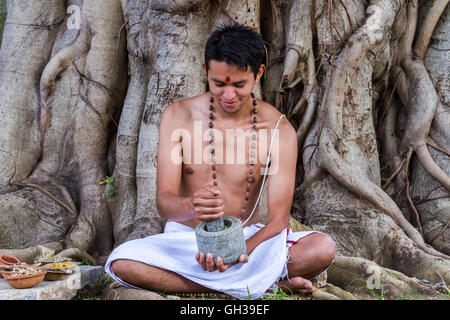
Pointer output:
187, 195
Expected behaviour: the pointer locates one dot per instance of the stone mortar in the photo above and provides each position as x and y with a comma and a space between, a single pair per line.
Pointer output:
229, 244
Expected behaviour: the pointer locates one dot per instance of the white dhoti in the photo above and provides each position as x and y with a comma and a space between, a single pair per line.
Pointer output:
175, 250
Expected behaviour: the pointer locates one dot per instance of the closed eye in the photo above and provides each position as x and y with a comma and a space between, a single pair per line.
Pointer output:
237, 85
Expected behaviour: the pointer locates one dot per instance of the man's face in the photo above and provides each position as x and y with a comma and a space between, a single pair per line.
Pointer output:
231, 87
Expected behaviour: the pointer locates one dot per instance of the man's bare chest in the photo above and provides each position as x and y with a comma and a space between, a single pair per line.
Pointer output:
231, 146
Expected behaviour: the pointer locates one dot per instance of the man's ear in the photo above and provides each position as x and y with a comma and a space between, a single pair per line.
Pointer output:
260, 72
204, 67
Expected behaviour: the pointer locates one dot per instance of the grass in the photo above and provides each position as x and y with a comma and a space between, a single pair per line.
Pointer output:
275, 294
381, 294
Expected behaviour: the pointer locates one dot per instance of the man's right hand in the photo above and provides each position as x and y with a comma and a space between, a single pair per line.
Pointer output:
208, 203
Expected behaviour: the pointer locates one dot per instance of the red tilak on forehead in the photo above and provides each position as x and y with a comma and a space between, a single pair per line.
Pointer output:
227, 79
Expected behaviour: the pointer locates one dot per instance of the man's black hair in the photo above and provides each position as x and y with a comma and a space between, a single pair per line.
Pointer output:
236, 45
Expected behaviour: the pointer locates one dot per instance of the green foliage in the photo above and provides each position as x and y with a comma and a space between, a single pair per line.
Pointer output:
412, 295
109, 181
249, 297
382, 292
85, 262
275, 294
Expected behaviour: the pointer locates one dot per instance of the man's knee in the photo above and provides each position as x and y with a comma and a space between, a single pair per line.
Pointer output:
120, 268
317, 248
326, 248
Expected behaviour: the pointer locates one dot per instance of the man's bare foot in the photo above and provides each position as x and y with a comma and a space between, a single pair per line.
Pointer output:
296, 285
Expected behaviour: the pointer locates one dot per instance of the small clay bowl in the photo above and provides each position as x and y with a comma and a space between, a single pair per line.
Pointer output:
25, 281
8, 260
53, 276
2, 272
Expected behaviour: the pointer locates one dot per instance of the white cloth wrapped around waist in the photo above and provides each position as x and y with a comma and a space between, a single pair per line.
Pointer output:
175, 250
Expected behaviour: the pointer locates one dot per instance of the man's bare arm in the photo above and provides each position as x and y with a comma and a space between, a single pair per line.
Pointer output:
280, 193
206, 203
168, 201
280, 187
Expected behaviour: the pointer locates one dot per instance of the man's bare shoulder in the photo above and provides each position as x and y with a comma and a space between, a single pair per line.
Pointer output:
271, 114
184, 110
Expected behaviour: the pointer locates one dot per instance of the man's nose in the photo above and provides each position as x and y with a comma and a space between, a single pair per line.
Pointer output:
229, 93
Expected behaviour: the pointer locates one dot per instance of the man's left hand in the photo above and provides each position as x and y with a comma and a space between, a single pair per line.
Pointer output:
208, 264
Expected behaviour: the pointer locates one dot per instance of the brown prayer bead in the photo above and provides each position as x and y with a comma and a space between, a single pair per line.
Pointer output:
250, 178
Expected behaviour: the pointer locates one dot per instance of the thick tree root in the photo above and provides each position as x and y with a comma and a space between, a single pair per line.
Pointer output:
339, 292
366, 278
423, 154
30, 255
362, 186
76, 253
48, 250
321, 294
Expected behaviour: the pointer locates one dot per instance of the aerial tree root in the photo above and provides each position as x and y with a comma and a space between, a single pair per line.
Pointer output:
365, 188
299, 55
406, 252
273, 31
422, 104
424, 116
329, 159
59, 62
123, 207
421, 100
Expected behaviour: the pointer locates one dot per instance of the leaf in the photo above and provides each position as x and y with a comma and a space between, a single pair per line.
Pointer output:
110, 192
107, 180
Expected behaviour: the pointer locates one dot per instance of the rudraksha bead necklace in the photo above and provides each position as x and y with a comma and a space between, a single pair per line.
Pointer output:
252, 154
